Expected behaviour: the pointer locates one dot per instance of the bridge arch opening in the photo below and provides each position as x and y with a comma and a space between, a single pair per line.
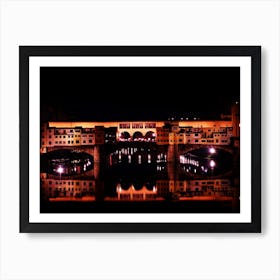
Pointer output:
66, 162
150, 136
138, 136
124, 136
207, 161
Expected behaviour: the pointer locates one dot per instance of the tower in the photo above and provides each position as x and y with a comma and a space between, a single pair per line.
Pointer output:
235, 117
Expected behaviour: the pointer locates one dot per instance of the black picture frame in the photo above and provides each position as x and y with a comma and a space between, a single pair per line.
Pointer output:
254, 52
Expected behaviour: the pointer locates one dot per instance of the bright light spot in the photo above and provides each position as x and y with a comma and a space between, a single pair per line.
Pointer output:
212, 163
119, 188
182, 159
212, 150
59, 169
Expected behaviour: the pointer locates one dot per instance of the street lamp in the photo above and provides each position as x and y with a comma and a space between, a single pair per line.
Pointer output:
212, 150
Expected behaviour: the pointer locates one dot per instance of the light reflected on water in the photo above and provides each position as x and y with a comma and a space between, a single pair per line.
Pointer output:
140, 173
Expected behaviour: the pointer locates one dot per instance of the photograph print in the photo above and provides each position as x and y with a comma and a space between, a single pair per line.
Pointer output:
140, 139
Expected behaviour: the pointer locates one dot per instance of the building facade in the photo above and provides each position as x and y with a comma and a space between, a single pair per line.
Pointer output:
218, 132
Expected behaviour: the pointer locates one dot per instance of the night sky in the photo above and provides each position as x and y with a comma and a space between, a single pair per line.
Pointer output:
136, 93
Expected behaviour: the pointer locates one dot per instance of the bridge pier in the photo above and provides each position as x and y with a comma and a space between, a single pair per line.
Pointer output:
172, 164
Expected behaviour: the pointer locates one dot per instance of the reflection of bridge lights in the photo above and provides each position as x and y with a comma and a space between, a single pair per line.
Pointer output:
212, 163
60, 170
182, 159
119, 188
212, 150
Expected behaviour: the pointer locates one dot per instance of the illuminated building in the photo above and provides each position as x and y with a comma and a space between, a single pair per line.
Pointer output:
132, 194
55, 187
89, 137
199, 132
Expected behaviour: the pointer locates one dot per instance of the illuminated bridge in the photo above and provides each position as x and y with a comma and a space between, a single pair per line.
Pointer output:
81, 134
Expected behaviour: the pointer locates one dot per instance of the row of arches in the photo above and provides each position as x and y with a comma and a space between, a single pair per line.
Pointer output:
150, 136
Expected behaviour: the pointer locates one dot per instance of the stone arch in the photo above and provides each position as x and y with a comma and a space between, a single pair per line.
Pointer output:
124, 136
150, 136
137, 136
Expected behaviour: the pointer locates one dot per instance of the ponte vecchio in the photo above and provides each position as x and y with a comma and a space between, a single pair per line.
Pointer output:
165, 146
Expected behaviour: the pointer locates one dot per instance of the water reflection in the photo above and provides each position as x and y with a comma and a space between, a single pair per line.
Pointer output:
139, 172
66, 162
133, 155
207, 162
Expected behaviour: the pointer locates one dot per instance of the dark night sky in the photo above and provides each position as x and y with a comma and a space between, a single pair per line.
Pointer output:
136, 93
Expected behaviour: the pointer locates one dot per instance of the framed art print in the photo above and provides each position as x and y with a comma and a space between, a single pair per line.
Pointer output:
140, 138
